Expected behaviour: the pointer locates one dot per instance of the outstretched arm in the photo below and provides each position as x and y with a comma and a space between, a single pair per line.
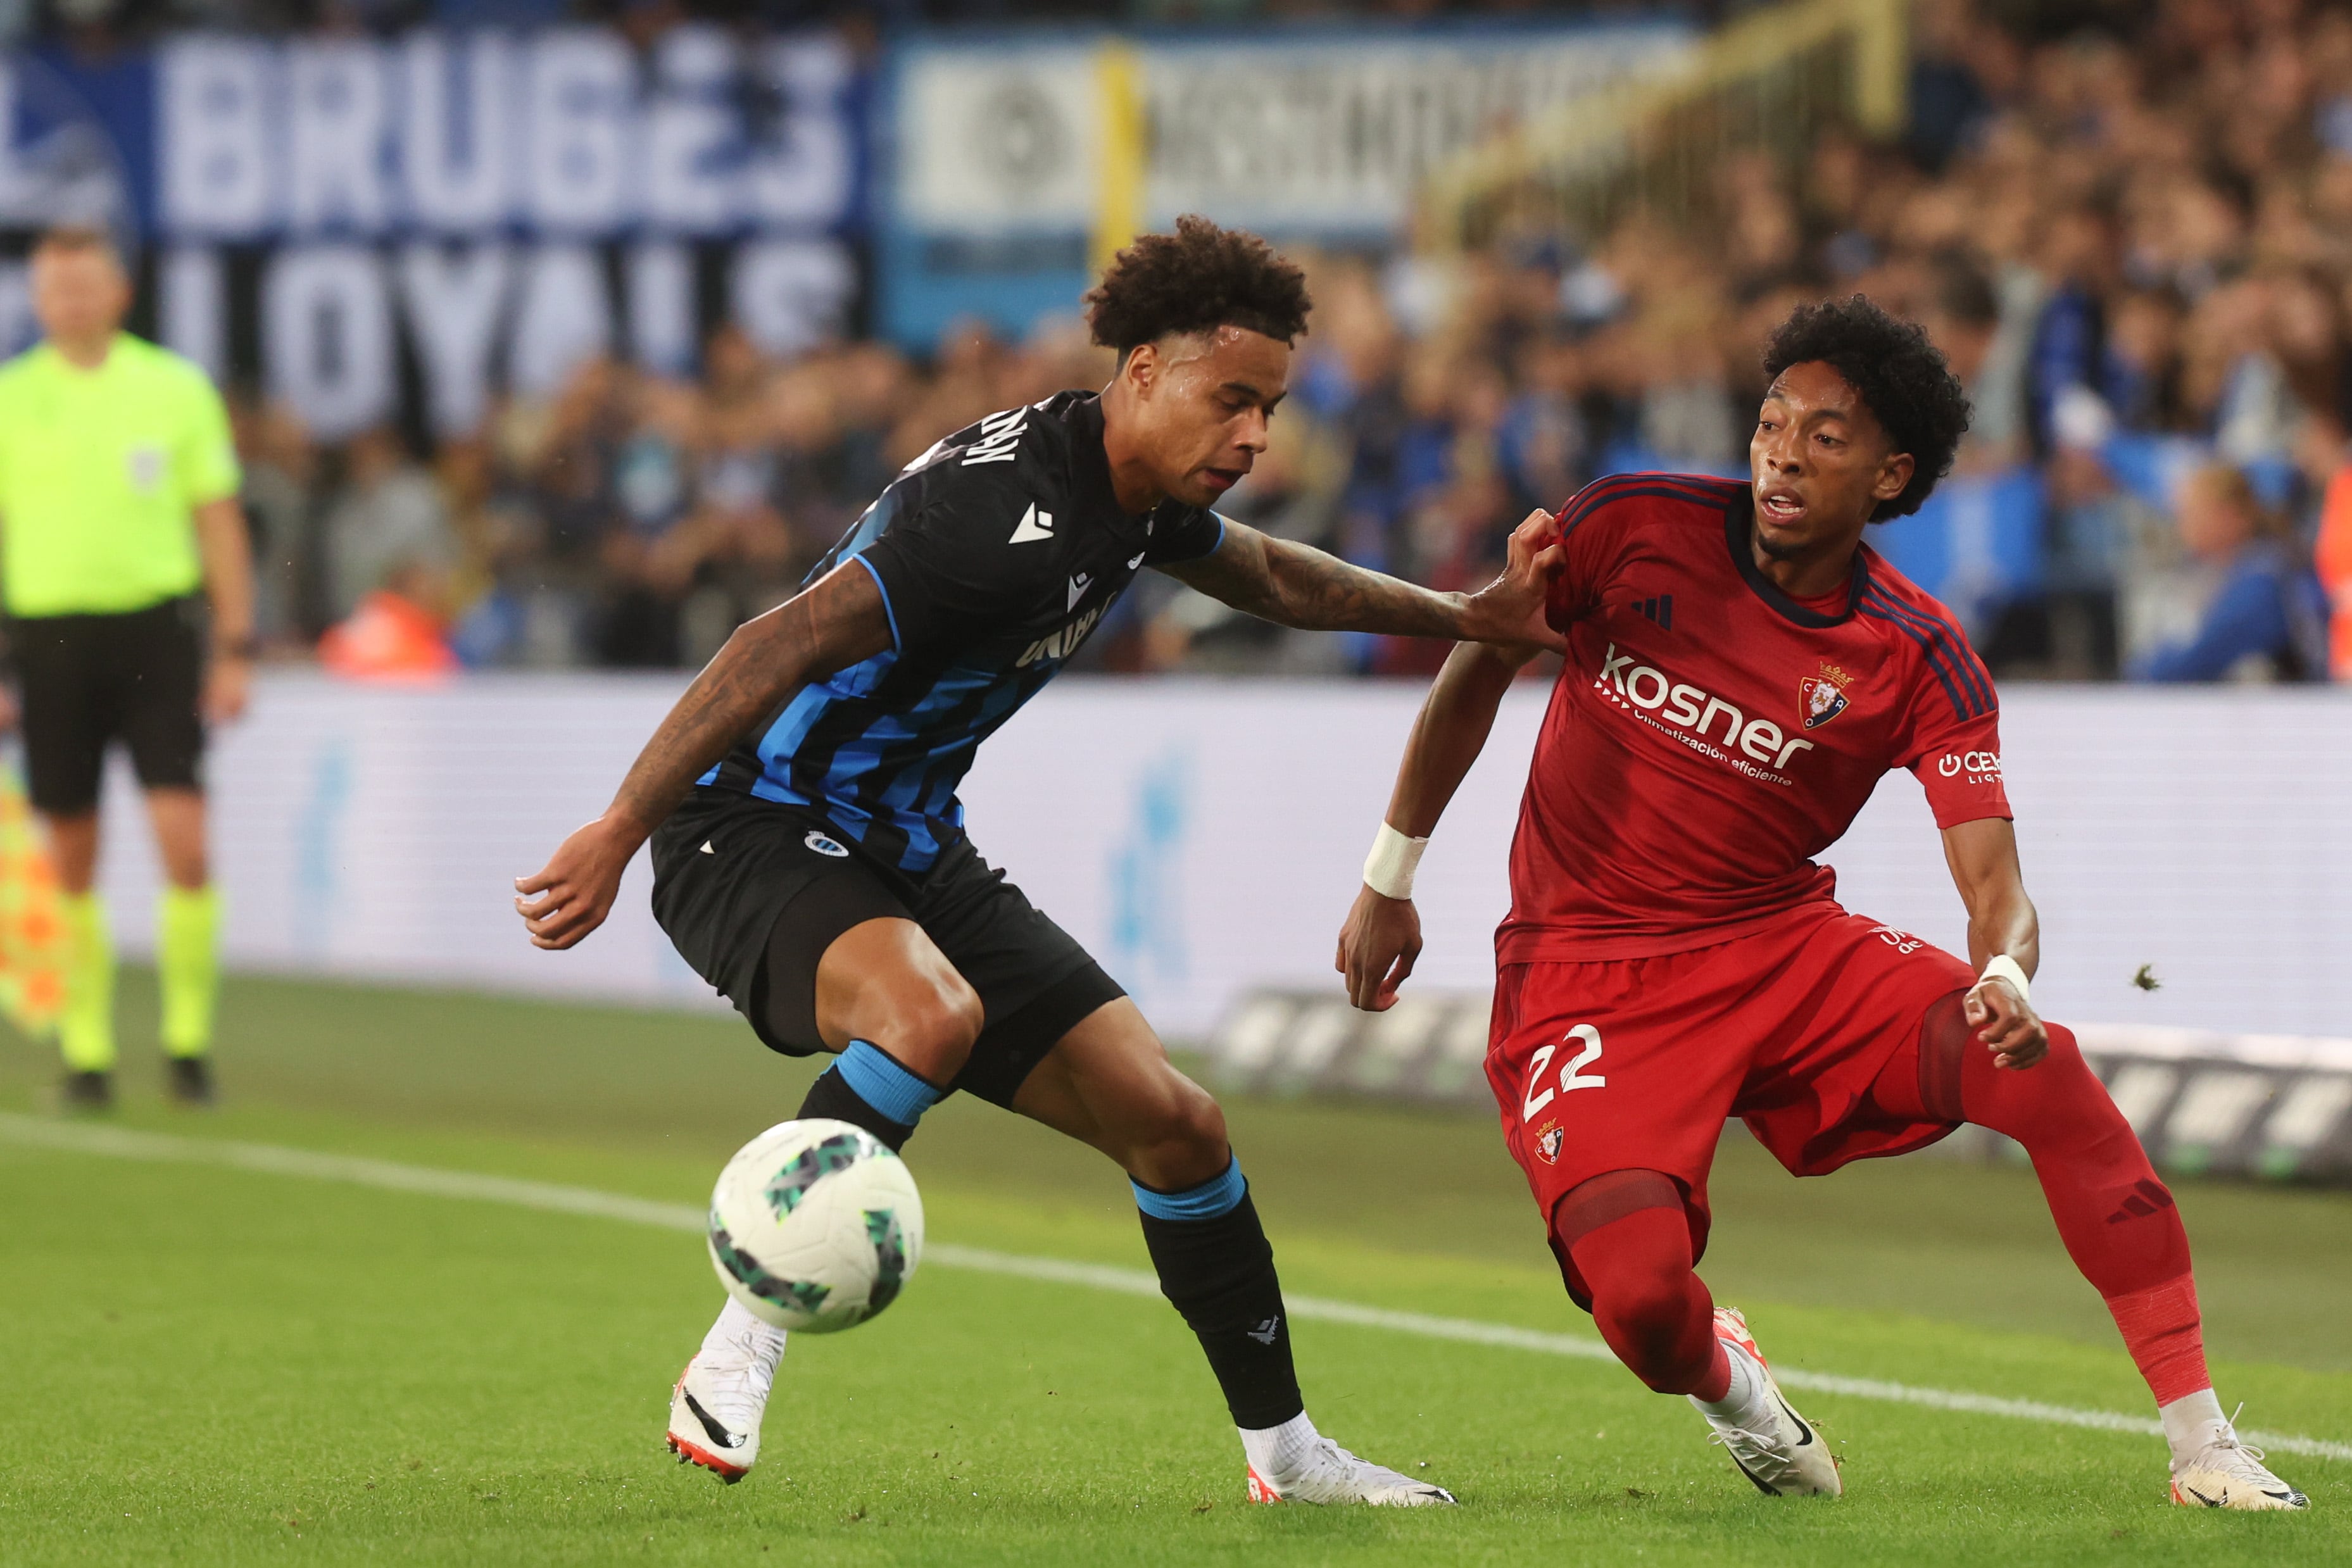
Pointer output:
1381, 938
1982, 856
1297, 585
831, 624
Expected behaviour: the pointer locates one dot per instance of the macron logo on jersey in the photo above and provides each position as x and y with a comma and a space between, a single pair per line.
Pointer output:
999, 437
1688, 716
1034, 525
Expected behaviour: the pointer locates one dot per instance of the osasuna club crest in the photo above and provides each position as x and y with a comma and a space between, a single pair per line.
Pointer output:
1548, 1141
1820, 698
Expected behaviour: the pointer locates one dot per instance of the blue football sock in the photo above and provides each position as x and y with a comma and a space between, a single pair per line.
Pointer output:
877, 1078
1219, 1195
866, 1088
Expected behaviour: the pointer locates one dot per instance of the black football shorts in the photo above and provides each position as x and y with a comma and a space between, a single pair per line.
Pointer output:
752, 892
91, 680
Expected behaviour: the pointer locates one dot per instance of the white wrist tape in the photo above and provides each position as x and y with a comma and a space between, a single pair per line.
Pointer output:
2002, 967
1388, 869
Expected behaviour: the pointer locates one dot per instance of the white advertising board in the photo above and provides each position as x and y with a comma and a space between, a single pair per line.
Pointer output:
994, 139
1292, 132
1203, 838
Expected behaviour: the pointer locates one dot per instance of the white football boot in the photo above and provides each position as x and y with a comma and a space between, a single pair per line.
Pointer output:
1295, 1463
715, 1410
2226, 1473
1773, 1445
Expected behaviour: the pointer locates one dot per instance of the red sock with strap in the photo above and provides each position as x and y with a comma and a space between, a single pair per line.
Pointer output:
2165, 1336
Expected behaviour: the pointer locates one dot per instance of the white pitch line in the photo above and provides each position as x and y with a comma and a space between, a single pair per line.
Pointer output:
392, 1177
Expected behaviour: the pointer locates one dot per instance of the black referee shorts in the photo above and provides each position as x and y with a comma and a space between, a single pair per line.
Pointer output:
91, 680
752, 892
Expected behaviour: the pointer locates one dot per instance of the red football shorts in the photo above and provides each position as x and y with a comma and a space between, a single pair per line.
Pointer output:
1636, 1064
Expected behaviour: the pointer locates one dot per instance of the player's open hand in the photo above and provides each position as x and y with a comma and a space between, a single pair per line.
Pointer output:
1378, 945
2006, 1023
1510, 610
577, 888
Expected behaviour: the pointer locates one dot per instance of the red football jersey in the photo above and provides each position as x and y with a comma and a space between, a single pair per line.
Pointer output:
1709, 735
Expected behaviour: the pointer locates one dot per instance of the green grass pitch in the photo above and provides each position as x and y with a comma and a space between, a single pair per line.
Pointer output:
209, 1366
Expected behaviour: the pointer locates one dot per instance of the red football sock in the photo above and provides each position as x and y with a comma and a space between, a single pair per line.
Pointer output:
1631, 1244
2115, 1218
2165, 1336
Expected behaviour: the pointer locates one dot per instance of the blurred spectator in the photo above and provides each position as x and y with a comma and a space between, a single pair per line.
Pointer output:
2334, 550
387, 515
281, 506
1949, 101
2262, 618
393, 633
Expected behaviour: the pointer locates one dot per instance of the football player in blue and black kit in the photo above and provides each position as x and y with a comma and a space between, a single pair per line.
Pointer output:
808, 853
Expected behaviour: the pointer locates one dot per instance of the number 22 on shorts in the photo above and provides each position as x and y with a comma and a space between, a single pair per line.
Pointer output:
1572, 1076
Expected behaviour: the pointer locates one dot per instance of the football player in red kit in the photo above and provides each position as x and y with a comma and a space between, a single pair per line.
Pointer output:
1741, 671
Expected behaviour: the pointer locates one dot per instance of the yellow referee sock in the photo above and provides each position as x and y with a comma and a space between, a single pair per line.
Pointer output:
187, 961
85, 1024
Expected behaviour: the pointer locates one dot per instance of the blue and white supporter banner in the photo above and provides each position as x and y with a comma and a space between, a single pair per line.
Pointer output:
568, 132
492, 207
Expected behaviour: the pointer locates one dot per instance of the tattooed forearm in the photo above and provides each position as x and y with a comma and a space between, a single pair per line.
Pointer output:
834, 623
1295, 585
1323, 593
726, 699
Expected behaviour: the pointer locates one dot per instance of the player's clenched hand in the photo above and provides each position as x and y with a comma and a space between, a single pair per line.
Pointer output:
2005, 1022
577, 888
1378, 945
1510, 609
228, 684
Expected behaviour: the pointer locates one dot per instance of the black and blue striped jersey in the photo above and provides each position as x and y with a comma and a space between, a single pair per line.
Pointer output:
997, 552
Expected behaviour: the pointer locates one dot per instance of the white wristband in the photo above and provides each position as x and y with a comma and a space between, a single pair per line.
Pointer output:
1388, 869
2004, 967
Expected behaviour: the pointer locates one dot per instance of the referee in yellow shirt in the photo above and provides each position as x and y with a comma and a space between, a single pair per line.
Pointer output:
118, 502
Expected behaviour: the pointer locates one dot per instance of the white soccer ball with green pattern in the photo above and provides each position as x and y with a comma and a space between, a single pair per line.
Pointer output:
815, 1226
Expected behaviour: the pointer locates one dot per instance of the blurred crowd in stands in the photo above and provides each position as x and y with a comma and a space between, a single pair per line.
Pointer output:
2134, 242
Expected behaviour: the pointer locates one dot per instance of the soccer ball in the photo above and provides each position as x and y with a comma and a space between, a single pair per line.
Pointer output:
815, 1226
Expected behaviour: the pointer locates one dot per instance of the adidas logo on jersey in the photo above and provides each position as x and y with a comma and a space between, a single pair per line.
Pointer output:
1689, 714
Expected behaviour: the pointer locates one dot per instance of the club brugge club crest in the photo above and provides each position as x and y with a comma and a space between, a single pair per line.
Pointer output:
1820, 698
1548, 1141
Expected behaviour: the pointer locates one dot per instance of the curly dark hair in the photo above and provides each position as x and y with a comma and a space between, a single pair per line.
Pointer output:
1899, 375
1195, 280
